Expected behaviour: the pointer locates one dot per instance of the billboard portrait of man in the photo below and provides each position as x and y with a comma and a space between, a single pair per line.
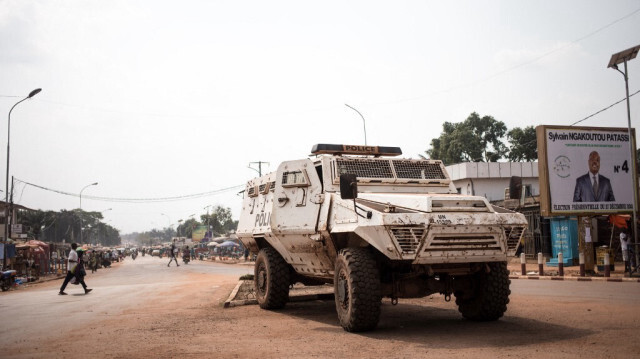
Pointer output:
593, 187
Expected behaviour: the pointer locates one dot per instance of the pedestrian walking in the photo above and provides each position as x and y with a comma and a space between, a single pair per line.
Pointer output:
172, 254
72, 266
93, 261
81, 271
626, 253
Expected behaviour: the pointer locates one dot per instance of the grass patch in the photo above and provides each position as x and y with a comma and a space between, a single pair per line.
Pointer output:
247, 277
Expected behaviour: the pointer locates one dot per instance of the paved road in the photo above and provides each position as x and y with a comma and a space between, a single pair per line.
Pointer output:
129, 307
38, 311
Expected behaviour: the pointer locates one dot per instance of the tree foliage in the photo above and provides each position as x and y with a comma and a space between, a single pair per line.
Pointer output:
481, 139
475, 139
523, 144
185, 229
65, 226
220, 220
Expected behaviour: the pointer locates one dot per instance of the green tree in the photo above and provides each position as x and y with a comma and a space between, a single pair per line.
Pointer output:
65, 225
185, 229
33, 222
524, 146
476, 139
220, 220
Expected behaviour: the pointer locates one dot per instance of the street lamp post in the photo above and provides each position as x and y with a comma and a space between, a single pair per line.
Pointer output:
209, 223
363, 123
178, 229
259, 170
83, 188
619, 58
6, 188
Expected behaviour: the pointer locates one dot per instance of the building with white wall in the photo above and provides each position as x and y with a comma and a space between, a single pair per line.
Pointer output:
490, 179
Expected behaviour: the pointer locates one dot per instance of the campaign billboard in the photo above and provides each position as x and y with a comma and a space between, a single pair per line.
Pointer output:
198, 234
585, 170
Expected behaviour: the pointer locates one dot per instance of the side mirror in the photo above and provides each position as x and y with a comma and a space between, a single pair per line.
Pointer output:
348, 186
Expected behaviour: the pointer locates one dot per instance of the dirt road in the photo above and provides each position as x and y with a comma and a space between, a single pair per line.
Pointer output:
142, 309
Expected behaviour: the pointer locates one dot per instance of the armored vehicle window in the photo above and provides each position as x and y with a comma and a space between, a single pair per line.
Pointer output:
294, 179
272, 186
319, 171
418, 170
251, 191
364, 168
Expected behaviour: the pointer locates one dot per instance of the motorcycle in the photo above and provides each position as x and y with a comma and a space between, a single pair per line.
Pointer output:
186, 258
7, 279
134, 255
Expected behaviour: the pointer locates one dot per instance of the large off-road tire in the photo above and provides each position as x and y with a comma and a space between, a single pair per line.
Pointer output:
271, 278
488, 296
357, 290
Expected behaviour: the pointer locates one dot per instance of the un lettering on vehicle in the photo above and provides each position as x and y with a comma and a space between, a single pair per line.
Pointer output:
442, 219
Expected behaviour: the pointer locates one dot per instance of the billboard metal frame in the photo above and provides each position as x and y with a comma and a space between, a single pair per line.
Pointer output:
559, 164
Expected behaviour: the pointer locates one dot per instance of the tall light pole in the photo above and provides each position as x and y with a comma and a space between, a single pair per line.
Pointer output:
259, 170
619, 58
209, 222
83, 188
363, 123
6, 188
178, 229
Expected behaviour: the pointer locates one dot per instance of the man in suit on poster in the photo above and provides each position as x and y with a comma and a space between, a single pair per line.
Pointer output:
593, 187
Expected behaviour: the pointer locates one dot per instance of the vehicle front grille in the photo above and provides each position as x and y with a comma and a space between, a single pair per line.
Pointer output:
408, 238
463, 243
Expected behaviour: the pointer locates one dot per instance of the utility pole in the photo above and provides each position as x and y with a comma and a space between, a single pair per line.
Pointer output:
208, 224
259, 170
623, 57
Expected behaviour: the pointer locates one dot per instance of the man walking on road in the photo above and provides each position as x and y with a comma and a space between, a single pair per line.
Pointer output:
172, 254
72, 263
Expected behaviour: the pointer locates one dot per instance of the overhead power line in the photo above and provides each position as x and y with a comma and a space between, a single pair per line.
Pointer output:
136, 200
604, 109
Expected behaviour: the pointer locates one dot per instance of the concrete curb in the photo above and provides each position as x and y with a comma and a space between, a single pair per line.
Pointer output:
295, 294
576, 279
232, 302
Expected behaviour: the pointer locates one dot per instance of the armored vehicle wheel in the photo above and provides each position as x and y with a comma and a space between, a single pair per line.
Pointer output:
490, 294
271, 278
357, 290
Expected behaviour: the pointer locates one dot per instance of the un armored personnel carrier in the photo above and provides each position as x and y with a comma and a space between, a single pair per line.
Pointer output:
376, 226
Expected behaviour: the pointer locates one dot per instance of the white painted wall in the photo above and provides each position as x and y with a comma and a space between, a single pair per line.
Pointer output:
490, 179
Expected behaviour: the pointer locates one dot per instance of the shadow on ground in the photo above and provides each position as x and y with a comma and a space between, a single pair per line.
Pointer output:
441, 328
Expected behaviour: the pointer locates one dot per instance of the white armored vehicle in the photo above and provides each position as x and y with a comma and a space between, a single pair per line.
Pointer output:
376, 226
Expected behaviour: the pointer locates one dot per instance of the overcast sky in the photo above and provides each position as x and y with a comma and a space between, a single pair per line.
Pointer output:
155, 99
